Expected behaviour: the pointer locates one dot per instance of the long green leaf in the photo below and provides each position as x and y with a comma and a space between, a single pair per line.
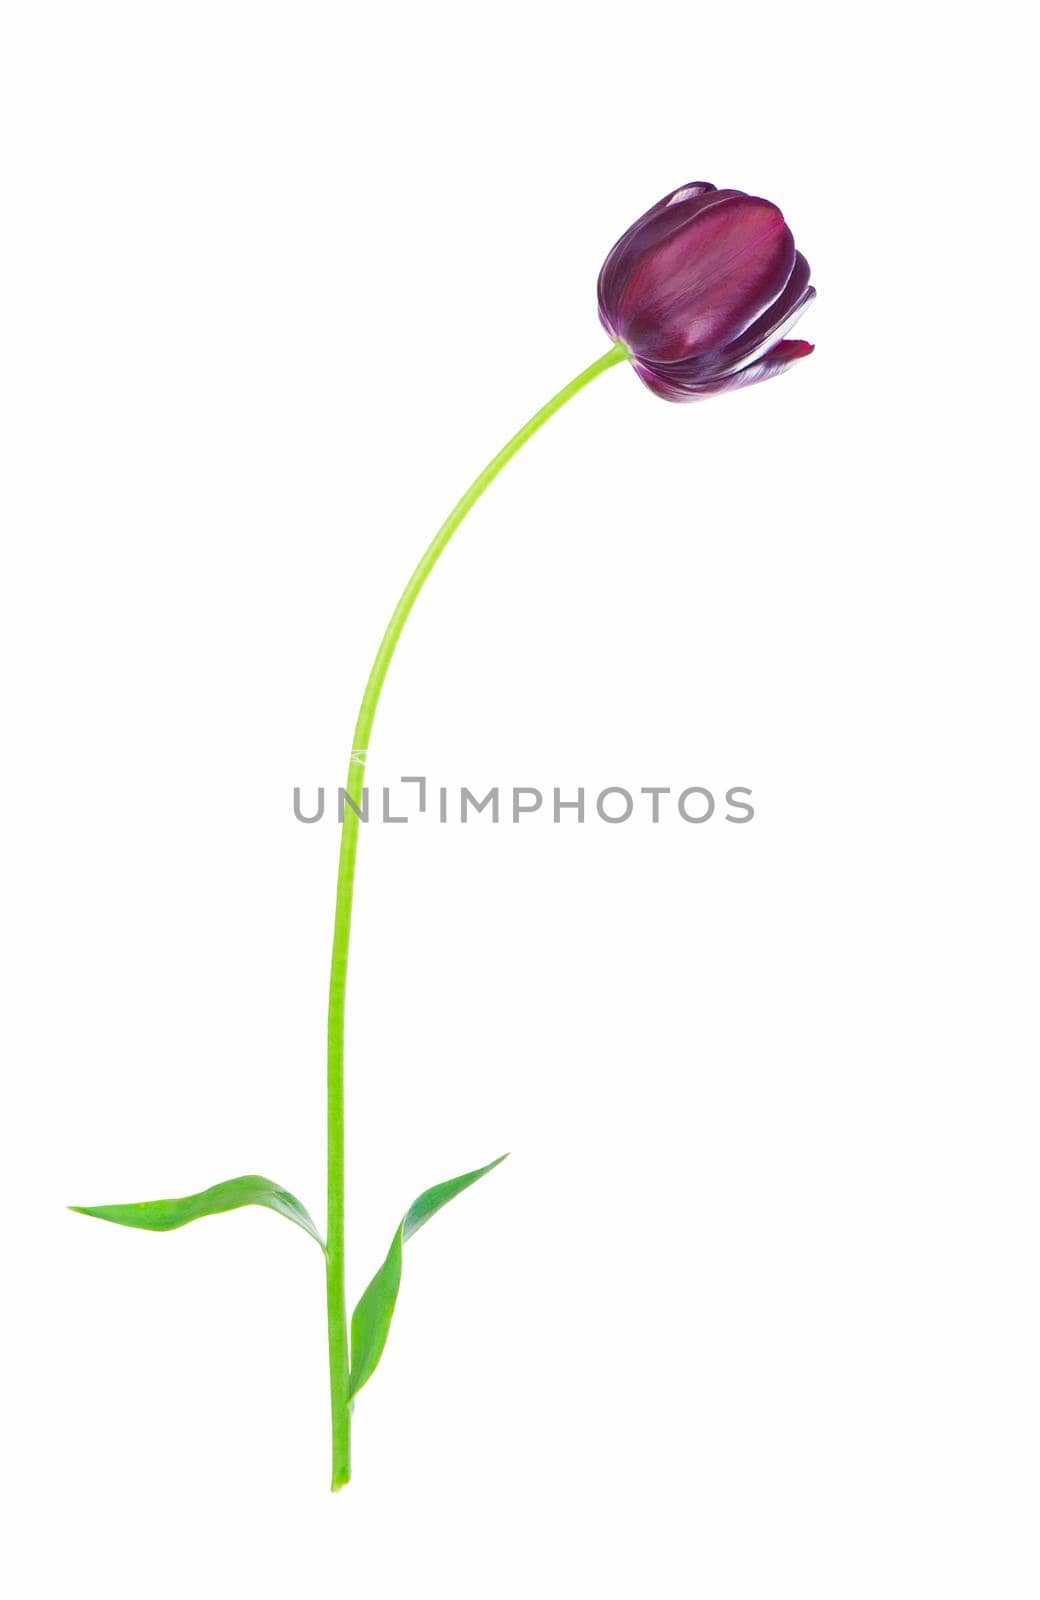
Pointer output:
374, 1312
161, 1215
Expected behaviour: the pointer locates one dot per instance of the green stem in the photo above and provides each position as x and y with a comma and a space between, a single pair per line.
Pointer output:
336, 1246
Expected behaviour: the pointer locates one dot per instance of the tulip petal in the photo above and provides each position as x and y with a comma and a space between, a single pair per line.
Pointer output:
661, 220
773, 326
663, 382
699, 287
775, 323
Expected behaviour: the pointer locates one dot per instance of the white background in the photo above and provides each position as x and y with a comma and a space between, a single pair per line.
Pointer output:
753, 1309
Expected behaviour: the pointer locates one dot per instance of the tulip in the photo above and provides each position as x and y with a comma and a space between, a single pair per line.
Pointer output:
702, 290
697, 295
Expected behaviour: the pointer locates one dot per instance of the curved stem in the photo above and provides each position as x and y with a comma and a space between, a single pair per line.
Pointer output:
335, 1250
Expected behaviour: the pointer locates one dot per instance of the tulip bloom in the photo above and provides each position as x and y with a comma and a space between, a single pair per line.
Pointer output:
701, 291
697, 295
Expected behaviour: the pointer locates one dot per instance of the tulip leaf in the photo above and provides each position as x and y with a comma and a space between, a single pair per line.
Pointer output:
373, 1313
161, 1215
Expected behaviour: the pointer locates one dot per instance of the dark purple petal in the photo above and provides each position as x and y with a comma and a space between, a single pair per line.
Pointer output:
774, 323
661, 220
766, 331
664, 381
698, 287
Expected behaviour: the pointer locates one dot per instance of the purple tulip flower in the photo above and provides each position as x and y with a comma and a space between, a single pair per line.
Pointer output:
702, 290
